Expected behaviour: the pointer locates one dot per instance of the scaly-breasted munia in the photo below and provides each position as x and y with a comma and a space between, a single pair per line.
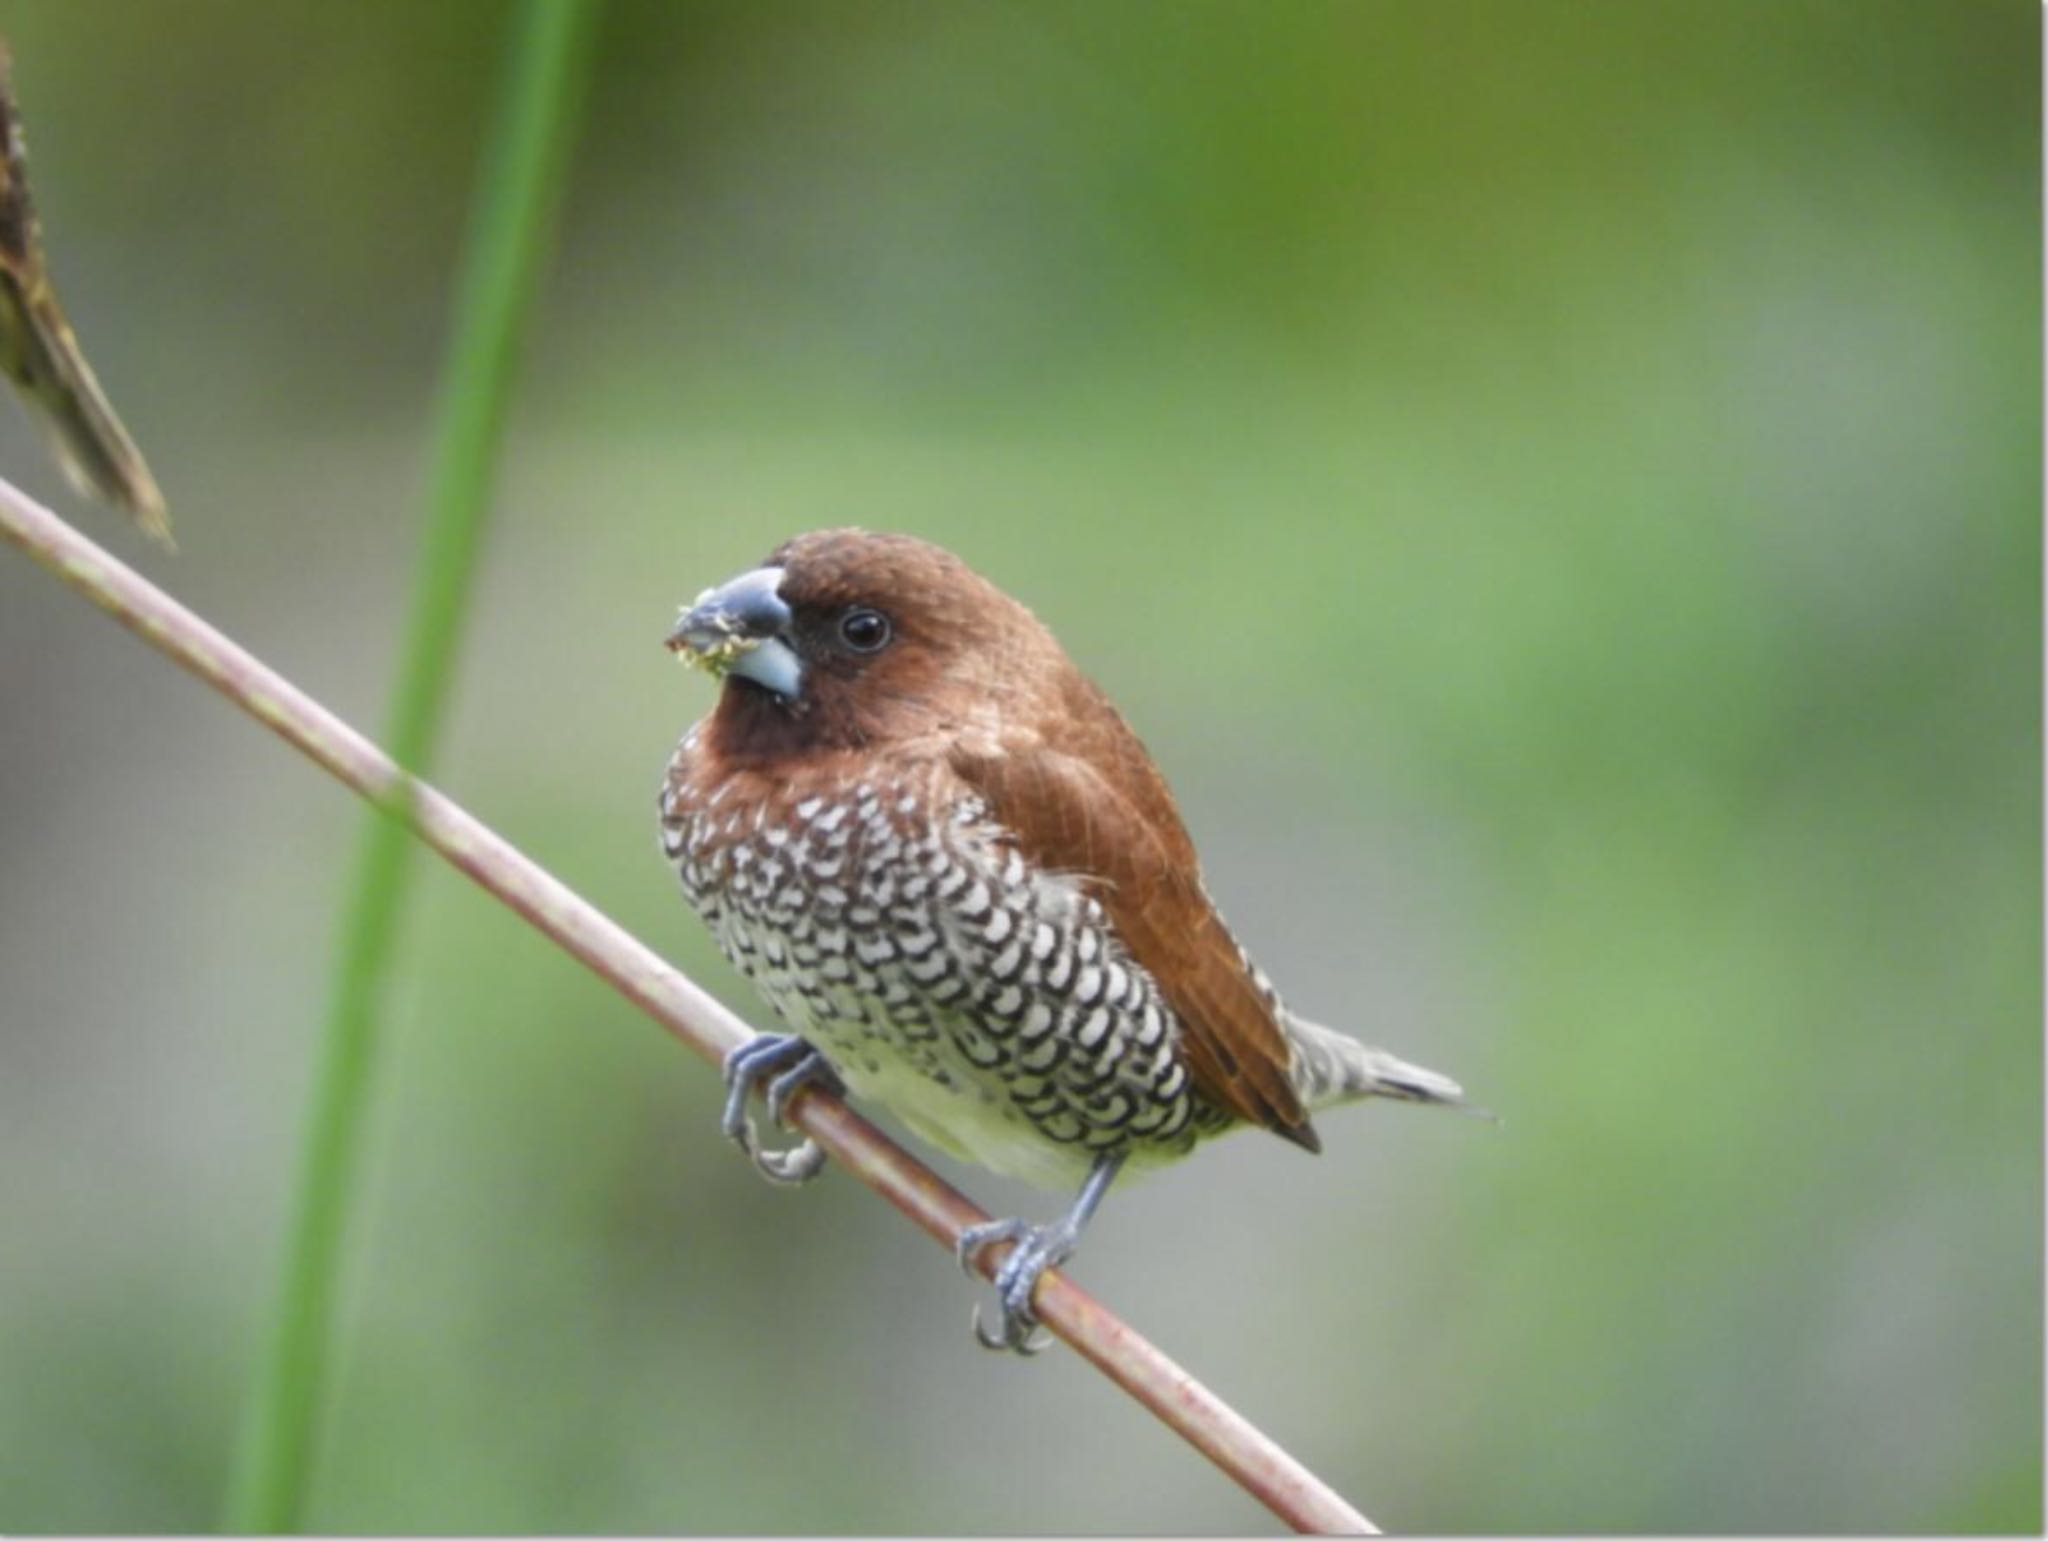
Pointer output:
949, 865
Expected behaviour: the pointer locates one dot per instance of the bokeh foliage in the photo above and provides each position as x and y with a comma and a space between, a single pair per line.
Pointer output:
1557, 485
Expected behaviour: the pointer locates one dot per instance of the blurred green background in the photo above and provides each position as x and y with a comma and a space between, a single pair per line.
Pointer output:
1557, 486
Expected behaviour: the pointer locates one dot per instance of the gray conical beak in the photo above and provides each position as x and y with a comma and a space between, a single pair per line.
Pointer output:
742, 628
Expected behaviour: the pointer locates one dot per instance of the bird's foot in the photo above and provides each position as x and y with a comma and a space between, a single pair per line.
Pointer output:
1036, 1248
787, 1064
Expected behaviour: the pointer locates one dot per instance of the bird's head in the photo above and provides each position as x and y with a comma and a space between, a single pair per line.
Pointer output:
850, 639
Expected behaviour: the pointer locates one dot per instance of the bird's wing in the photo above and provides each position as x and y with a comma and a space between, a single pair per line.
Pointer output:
1098, 809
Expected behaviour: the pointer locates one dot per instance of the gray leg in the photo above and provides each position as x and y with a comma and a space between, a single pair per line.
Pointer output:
1036, 1248
813, 1070
788, 1064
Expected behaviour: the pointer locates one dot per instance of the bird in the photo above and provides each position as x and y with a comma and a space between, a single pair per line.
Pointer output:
949, 865
40, 353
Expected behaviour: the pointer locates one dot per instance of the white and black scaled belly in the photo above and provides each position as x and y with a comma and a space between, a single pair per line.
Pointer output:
989, 1006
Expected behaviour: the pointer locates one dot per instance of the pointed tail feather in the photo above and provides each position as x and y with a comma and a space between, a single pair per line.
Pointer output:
1330, 1069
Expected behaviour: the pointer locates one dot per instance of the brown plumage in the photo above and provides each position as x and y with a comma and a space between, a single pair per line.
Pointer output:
952, 867
1081, 795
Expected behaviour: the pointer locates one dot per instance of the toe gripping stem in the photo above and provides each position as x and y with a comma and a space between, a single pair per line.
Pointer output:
1034, 1249
787, 1064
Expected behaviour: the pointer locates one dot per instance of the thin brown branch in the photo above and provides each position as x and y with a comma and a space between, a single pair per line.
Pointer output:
1247, 1456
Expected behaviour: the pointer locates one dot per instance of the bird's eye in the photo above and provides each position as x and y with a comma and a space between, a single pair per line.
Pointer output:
864, 631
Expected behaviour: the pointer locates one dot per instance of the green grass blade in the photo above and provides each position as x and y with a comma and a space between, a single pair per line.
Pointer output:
525, 159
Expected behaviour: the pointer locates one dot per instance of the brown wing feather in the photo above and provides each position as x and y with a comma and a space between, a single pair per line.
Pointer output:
1086, 799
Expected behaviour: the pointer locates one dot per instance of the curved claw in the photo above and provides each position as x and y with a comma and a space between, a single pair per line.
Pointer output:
798, 1164
988, 1233
1038, 1247
812, 1070
1032, 1339
794, 1064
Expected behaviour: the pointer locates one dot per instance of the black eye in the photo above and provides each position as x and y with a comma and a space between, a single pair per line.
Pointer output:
865, 631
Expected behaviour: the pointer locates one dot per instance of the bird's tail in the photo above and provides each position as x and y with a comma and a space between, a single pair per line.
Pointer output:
1330, 1068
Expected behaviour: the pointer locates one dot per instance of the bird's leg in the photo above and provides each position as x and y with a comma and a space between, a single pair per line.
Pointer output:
788, 1064
1037, 1248
812, 1070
